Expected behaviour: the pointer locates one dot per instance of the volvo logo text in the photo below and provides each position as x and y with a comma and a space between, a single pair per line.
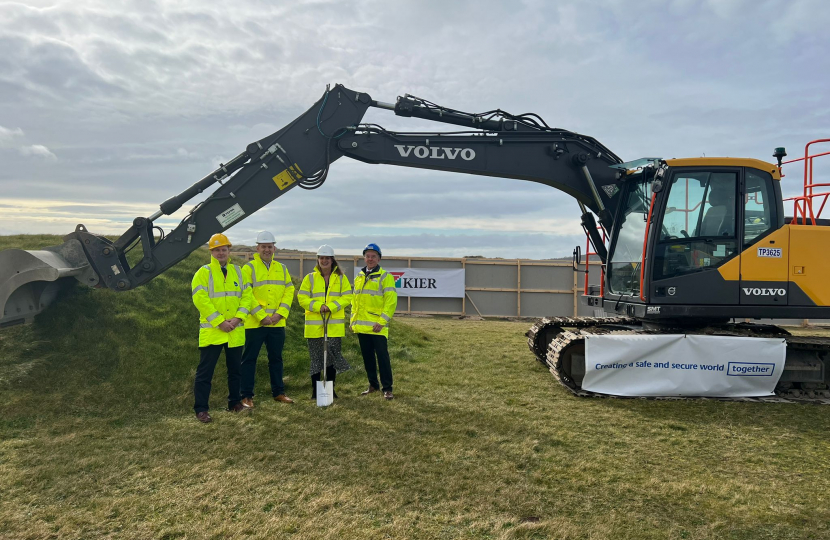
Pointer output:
436, 152
749, 291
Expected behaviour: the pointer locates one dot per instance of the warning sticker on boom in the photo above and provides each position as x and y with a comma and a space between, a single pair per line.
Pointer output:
287, 177
234, 213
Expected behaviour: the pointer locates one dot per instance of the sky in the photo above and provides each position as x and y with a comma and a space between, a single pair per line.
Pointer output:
108, 108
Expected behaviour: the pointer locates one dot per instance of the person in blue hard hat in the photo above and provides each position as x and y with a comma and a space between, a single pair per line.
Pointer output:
373, 305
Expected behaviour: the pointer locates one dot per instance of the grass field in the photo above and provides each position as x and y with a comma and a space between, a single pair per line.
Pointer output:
98, 439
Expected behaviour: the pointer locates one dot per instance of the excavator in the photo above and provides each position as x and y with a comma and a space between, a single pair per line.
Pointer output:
691, 250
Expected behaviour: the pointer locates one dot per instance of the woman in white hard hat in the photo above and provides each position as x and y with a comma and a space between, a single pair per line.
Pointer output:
325, 292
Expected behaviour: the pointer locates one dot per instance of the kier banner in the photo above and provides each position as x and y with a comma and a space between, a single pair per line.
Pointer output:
427, 282
683, 365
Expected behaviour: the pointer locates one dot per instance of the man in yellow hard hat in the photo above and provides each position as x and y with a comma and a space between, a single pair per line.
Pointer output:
223, 299
273, 293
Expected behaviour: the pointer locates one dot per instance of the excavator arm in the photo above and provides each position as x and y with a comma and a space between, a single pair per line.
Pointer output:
495, 143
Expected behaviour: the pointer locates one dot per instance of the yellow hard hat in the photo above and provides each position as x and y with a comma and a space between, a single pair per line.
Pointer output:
218, 240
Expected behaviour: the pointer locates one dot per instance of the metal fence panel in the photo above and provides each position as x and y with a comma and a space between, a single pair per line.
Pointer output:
493, 287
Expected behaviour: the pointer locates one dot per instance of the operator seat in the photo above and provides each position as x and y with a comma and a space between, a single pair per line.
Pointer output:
720, 218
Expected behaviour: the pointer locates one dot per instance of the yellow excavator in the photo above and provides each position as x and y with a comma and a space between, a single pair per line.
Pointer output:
690, 249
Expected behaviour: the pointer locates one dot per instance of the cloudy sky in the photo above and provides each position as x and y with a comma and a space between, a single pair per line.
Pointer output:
109, 107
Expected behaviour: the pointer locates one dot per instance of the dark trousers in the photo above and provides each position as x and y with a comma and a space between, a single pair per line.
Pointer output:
331, 375
208, 356
371, 345
274, 339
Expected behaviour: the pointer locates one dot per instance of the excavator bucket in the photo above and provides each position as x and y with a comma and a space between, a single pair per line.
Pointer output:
31, 280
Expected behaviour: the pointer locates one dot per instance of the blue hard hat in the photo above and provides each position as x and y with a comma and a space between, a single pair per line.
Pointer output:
373, 247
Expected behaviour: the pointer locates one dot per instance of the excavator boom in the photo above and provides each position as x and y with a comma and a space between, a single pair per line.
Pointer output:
299, 155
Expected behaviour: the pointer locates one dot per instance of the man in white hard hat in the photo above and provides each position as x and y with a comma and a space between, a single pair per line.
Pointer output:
273, 293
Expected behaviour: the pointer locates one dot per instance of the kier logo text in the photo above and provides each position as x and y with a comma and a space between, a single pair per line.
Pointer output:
412, 283
436, 152
749, 291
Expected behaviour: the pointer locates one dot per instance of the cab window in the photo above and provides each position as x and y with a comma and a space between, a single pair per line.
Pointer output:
759, 206
627, 251
698, 230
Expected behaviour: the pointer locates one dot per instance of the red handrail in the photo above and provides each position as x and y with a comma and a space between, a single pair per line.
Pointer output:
803, 205
645, 244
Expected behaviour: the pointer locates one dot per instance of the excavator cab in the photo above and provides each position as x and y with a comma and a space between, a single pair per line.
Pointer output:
697, 239
699, 248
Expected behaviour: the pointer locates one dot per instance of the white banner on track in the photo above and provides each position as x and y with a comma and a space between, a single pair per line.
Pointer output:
683, 365
427, 282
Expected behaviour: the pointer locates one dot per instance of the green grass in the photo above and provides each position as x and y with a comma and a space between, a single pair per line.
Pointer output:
98, 439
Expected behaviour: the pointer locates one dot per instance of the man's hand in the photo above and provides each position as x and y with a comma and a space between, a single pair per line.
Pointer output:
267, 321
325, 309
236, 321
377, 328
226, 326
275, 318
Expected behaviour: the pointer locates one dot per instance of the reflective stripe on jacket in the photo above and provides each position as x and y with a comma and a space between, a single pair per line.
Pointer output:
219, 299
375, 300
313, 295
273, 291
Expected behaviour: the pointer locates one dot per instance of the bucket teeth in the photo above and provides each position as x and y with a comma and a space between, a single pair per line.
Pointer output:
31, 280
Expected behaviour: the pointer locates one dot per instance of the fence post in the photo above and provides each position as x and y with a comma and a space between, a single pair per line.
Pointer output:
409, 298
464, 298
519, 288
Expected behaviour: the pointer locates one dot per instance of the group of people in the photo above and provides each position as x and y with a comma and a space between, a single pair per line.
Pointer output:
242, 308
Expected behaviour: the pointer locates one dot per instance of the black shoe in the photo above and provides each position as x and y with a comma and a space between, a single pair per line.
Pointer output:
239, 407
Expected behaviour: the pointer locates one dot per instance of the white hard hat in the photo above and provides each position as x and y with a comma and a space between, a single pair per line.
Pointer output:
325, 251
265, 238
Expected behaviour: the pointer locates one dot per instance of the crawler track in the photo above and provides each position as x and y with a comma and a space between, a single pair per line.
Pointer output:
552, 340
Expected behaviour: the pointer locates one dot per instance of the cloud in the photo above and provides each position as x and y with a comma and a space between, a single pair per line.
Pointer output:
37, 150
7, 136
10, 138
141, 99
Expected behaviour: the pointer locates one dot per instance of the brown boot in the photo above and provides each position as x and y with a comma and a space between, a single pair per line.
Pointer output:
369, 390
204, 417
388, 395
247, 402
282, 398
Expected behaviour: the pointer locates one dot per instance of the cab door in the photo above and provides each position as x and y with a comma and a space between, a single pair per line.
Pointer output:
765, 243
697, 236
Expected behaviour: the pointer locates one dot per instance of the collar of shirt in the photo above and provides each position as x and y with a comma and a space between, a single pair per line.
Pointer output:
367, 270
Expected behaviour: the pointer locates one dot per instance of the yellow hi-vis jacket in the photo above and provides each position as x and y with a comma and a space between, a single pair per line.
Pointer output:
219, 299
313, 295
273, 291
375, 300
